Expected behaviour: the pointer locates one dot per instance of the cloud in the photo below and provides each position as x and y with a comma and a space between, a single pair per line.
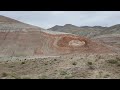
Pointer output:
57, 12
47, 19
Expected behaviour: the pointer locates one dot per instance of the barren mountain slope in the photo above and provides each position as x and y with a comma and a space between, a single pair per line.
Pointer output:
19, 39
82, 31
87, 31
106, 35
111, 40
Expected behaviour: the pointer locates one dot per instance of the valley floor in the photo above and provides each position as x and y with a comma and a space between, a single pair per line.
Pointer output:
82, 66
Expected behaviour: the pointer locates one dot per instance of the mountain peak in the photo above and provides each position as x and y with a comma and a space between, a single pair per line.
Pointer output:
55, 27
4, 19
117, 25
67, 25
9, 24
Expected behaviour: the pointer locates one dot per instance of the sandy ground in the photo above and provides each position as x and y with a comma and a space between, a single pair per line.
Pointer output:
77, 66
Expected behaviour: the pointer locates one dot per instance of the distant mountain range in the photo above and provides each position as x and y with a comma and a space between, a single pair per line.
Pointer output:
87, 31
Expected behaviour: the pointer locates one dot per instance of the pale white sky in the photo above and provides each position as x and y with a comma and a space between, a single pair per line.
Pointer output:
47, 19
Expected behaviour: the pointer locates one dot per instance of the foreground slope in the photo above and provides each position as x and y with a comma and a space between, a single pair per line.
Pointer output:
81, 66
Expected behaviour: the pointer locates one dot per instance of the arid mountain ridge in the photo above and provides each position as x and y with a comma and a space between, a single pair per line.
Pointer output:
8, 24
88, 31
20, 39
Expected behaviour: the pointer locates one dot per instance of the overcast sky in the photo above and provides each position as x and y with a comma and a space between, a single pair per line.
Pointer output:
47, 19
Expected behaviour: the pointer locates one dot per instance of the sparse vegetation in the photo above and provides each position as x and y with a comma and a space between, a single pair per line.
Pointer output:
106, 76
89, 63
63, 73
115, 61
74, 63
117, 58
55, 59
112, 61
118, 64
4, 74
23, 62
11, 66
68, 77
46, 63
15, 76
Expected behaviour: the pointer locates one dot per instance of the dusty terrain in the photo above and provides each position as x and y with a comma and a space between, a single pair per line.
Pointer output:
82, 66
31, 52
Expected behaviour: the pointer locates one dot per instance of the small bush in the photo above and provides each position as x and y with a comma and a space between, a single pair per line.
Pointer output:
4, 74
74, 63
118, 65
55, 59
89, 63
46, 64
46, 69
117, 58
23, 63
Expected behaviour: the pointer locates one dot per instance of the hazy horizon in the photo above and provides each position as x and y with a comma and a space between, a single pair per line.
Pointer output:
48, 19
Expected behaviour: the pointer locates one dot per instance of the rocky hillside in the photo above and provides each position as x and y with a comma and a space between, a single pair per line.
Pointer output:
87, 30
20, 39
107, 35
82, 31
112, 30
8, 24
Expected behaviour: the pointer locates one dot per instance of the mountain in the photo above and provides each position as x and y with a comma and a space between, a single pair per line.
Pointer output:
20, 39
110, 36
4, 19
82, 31
8, 24
115, 29
87, 31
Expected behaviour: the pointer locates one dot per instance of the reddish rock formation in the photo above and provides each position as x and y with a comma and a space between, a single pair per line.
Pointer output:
27, 40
